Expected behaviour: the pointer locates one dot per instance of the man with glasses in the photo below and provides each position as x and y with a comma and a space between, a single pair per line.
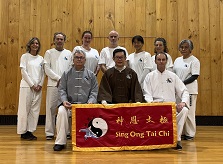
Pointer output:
119, 84
78, 85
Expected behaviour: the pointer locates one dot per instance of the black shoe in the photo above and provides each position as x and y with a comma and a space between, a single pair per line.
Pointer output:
58, 147
188, 138
32, 137
49, 137
178, 147
25, 136
68, 136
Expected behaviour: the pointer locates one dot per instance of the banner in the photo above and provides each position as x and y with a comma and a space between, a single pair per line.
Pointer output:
128, 126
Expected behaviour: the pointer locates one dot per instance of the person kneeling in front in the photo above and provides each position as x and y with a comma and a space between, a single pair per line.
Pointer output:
77, 86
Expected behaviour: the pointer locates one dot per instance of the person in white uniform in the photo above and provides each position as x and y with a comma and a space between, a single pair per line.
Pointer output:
162, 85
92, 55
140, 61
106, 56
78, 85
30, 93
161, 46
57, 60
187, 68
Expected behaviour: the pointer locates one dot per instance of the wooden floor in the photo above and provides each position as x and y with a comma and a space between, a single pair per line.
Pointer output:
206, 148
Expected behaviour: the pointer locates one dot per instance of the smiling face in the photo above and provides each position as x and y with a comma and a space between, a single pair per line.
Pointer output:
59, 41
34, 47
137, 45
159, 47
86, 39
119, 59
79, 60
161, 60
113, 38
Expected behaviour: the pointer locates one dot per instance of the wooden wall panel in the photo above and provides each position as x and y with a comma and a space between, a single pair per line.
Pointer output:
215, 54
3, 54
205, 94
198, 20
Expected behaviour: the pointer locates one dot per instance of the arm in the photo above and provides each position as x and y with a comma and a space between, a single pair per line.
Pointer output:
47, 66
190, 79
103, 68
147, 89
97, 70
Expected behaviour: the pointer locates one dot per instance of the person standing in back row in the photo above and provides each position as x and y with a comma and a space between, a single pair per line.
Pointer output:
187, 68
92, 55
106, 56
57, 60
140, 61
161, 46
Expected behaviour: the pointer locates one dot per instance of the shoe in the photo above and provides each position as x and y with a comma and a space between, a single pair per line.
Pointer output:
49, 137
58, 147
179, 146
188, 138
28, 136
32, 137
68, 136
25, 135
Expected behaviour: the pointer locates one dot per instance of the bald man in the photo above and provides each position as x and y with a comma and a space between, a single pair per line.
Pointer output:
106, 56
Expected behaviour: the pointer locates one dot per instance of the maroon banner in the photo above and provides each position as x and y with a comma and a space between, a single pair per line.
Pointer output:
137, 126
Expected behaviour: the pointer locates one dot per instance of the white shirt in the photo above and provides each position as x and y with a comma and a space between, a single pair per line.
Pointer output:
32, 70
55, 63
185, 68
139, 62
106, 56
92, 57
169, 64
163, 87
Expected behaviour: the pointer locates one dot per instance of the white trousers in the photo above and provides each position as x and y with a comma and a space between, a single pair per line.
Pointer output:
28, 110
62, 125
51, 108
190, 124
181, 118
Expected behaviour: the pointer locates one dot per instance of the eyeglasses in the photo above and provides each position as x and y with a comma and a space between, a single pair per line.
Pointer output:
119, 57
79, 57
184, 47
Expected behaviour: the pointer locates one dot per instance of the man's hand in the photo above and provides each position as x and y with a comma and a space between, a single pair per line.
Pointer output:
67, 105
180, 106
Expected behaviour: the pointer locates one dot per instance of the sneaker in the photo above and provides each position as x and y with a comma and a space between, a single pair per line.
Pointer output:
58, 147
68, 136
32, 137
179, 146
25, 135
188, 138
49, 137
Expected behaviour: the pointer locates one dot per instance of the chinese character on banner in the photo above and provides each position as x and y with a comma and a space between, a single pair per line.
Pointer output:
163, 120
134, 120
119, 120
149, 119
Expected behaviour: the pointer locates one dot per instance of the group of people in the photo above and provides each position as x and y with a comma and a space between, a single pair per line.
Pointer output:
138, 77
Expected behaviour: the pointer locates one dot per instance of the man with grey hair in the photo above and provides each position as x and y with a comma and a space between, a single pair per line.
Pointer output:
78, 85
